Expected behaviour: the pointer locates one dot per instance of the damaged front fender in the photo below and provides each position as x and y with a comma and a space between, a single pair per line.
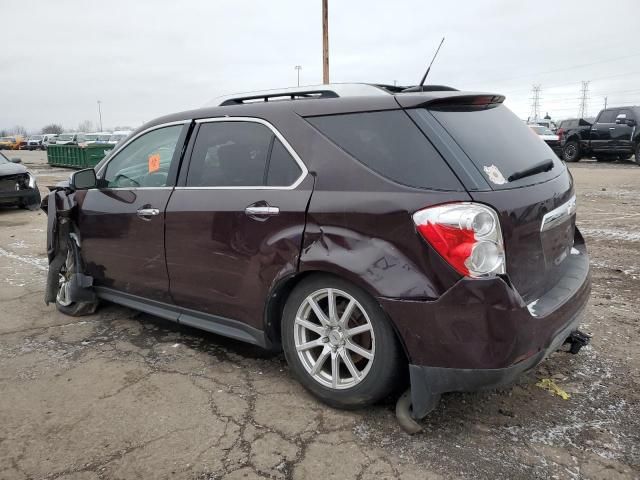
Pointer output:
63, 238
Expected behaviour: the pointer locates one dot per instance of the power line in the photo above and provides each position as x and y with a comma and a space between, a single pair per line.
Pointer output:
564, 69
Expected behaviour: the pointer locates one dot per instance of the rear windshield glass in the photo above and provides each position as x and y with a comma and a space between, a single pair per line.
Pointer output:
500, 145
389, 143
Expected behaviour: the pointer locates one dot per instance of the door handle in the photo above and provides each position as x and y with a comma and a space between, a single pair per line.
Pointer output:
147, 212
612, 128
262, 211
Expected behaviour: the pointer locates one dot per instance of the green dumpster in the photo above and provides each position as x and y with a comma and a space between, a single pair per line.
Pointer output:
73, 156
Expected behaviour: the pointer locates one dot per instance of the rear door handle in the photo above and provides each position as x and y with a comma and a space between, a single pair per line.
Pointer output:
147, 212
262, 211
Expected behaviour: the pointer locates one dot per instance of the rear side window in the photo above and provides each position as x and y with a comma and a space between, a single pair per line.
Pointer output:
282, 169
498, 143
240, 154
390, 144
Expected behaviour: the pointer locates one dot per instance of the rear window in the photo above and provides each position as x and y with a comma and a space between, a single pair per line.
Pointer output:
499, 144
390, 144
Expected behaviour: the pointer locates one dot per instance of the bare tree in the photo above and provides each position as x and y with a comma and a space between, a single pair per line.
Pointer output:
4, 133
86, 126
19, 130
54, 128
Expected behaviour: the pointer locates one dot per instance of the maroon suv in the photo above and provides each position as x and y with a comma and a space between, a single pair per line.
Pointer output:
363, 231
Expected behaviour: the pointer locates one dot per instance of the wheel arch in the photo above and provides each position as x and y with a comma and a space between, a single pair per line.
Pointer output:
282, 289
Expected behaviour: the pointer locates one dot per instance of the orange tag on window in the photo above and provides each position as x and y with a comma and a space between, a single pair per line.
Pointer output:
154, 162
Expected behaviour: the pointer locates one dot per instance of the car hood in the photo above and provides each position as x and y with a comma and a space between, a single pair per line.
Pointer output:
11, 169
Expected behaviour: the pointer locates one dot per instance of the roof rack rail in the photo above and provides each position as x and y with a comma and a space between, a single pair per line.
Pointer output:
332, 90
280, 96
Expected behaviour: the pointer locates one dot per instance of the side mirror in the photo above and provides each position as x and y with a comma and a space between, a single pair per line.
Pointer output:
631, 122
16, 160
83, 179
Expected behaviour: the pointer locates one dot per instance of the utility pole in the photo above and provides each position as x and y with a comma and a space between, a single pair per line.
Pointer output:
298, 68
583, 110
605, 102
535, 102
325, 41
100, 114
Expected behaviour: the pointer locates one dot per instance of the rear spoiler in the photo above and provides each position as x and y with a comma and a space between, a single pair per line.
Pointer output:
452, 102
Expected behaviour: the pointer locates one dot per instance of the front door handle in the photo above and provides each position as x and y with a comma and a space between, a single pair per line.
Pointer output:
262, 211
147, 212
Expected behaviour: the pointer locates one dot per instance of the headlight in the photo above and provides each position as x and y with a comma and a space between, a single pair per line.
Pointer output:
32, 180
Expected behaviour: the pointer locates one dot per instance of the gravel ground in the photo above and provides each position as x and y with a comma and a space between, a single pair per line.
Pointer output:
121, 394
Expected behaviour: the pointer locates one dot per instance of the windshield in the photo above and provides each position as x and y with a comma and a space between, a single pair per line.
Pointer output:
498, 143
117, 137
104, 138
542, 130
65, 138
7, 139
91, 138
36, 137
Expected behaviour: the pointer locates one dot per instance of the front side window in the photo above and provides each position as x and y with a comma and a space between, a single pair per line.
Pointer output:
145, 161
240, 154
608, 116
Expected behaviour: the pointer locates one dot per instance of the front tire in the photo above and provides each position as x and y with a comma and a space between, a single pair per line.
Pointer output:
571, 152
339, 343
73, 309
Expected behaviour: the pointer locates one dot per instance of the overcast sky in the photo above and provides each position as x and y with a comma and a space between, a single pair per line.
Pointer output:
143, 59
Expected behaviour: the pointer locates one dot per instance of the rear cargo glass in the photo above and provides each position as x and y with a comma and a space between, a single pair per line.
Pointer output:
499, 144
390, 144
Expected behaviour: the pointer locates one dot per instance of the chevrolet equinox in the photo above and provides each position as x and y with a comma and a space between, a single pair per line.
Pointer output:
371, 233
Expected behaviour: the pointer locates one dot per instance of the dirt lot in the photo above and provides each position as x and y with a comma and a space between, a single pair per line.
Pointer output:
121, 394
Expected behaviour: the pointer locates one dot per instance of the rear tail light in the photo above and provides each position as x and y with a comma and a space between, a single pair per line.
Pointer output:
560, 134
467, 235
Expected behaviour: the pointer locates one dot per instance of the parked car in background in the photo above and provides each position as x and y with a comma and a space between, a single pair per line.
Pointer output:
38, 142
93, 138
11, 143
104, 138
70, 138
18, 186
372, 235
550, 138
613, 135
49, 139
118, 136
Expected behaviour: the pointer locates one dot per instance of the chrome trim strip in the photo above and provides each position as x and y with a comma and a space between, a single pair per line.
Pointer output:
115, 152
278, 135
558, 215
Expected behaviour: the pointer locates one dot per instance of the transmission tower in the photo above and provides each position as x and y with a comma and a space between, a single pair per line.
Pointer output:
535, 103
583, 110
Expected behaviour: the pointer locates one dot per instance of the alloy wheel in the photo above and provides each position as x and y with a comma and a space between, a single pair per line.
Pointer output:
334, 338
64, 277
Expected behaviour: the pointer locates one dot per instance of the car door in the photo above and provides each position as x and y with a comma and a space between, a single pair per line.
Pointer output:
234, 223
621, 135
601, 131
122, 222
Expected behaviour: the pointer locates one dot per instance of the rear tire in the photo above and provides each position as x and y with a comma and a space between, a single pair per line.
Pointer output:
638, 154
356, 359
571, 152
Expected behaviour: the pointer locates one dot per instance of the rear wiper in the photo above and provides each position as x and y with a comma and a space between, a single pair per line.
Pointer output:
541, 167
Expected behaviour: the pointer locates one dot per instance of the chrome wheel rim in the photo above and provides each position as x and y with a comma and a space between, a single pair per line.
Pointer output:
64, 277
334, 338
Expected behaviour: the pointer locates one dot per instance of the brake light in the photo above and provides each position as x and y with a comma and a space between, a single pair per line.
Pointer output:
467, 235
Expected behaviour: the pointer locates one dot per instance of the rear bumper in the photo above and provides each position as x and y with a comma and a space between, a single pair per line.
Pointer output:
481, 333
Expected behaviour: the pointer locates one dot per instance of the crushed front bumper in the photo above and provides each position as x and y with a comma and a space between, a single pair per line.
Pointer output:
27, 197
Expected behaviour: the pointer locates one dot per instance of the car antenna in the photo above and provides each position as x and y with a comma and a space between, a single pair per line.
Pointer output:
429, 67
